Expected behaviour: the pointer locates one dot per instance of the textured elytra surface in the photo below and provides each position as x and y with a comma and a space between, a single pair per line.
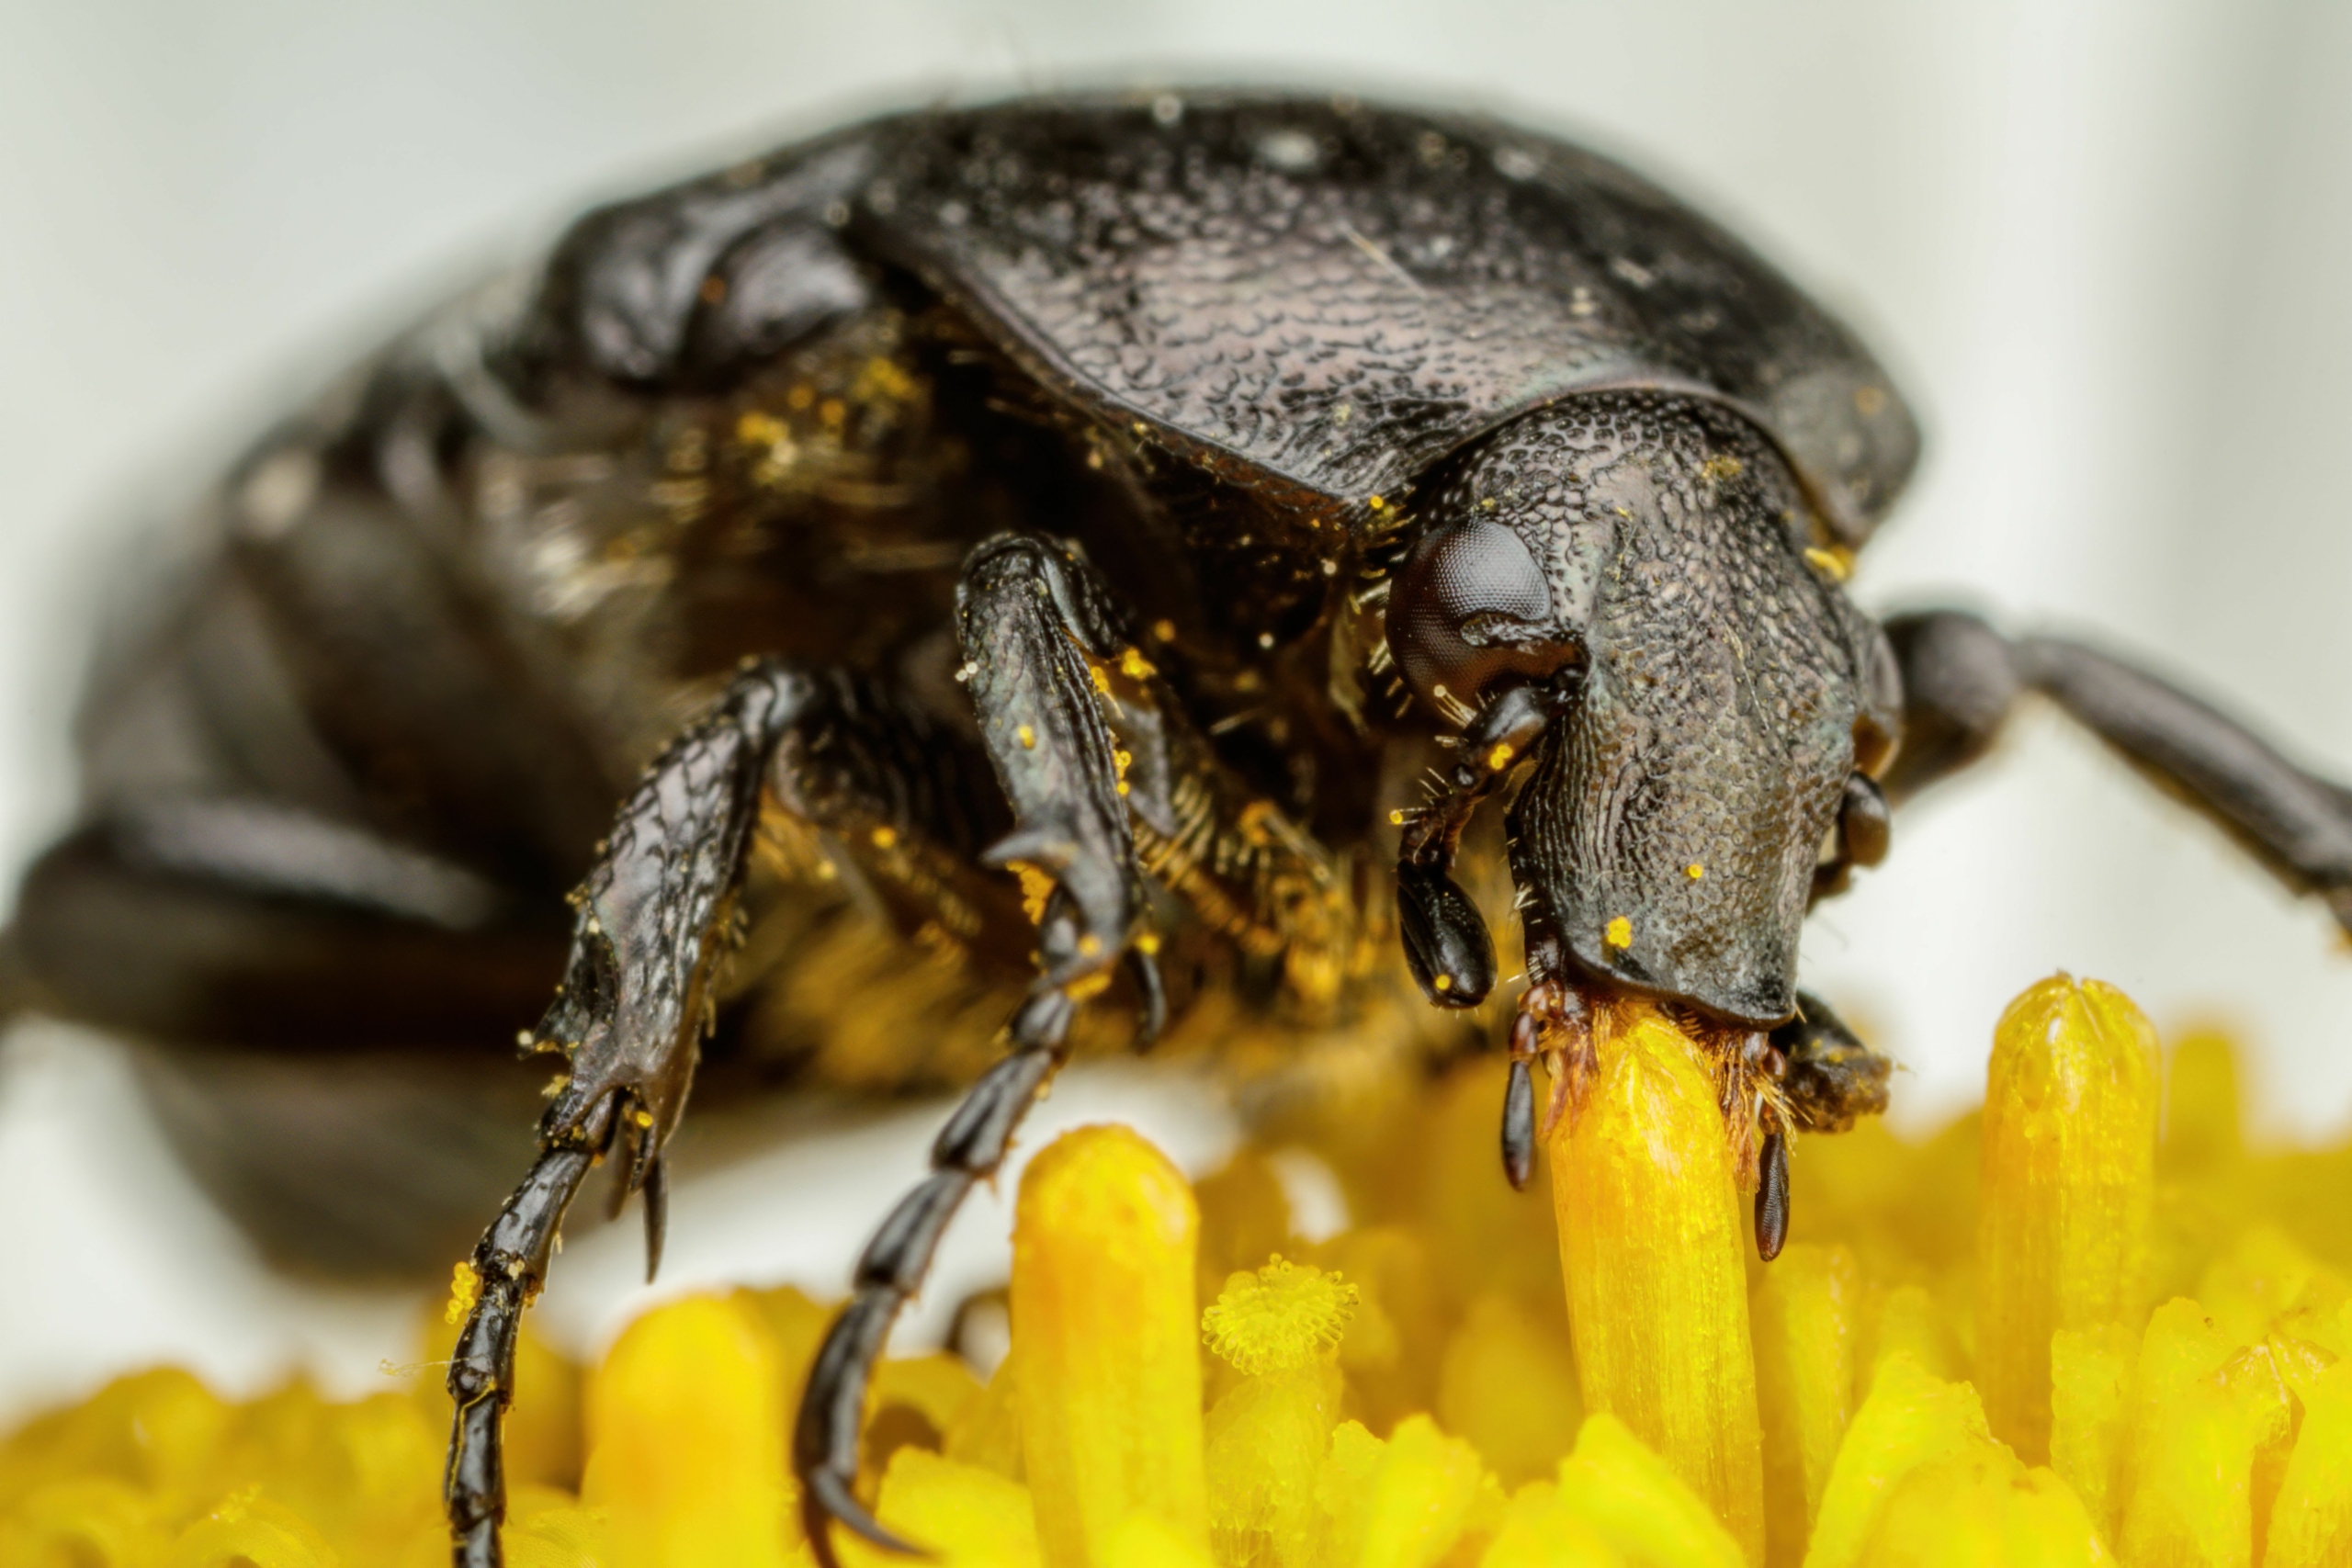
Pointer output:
1338, 295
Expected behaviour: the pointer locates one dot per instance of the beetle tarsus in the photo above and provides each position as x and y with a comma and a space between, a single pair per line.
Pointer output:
1773, 1194
968, 1150
508, 1265
657, 1213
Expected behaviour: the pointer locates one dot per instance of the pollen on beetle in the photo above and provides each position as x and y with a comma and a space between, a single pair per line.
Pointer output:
1620, 934
1834, 565
1278, 1318
885, 837
1499, 758
1090, 945
1375, 503
1148, 944
465, 1289
1443, 982
1133, 665
1396, 818
1027, 737
1694, 871
1102, 678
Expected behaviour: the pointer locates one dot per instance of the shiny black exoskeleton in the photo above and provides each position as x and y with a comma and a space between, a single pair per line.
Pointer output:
1049, 561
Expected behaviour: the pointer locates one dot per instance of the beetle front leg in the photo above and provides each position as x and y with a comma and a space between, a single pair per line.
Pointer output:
650, 933
1960, 677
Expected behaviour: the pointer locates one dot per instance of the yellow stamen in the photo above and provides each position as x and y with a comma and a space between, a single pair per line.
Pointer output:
2068, 1183
1110, 1389
1279, 1327
685, 1426
1653, 1252
1807, 1318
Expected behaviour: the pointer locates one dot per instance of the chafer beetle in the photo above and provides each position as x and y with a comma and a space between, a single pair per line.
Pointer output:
1060, 536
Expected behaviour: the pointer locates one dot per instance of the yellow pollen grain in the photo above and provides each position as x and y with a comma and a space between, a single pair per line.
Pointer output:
1694, 871
1089, 946
1443, 982
465, 1289
759, 429
1620, 934
1834, 565
1376, 504
1396, 818
831, 412
1133, 665
642, 1118
1102, 678
1720, 468
799, 398
1027, 737
884, 838
1499, 758
1163, 631
1278, 1318
1148, 944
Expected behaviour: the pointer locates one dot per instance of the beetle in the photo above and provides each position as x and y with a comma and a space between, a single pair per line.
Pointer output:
1045, 561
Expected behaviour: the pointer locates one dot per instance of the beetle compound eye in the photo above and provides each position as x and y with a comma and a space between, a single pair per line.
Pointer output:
1471, 605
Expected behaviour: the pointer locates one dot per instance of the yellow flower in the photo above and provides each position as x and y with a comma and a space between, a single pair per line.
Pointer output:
2056, 1335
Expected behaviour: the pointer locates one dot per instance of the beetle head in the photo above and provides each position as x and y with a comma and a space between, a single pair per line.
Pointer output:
1641, 572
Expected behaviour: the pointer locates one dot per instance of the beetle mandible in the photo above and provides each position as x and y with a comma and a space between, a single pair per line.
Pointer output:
1060, 536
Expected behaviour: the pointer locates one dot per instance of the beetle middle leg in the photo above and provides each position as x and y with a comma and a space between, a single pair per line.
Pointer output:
1039, 630
652, 928
1961, 678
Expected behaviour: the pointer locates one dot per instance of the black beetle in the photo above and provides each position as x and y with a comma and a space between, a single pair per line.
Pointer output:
1135, 496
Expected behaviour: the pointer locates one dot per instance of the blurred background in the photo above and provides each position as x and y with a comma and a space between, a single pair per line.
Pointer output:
2101, 243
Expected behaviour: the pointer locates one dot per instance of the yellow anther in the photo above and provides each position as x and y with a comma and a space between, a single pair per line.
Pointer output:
1837, 565
465, 1289
1694, 871
1620, 934
1499, 758
1027, 737
1280, 1317
884, 838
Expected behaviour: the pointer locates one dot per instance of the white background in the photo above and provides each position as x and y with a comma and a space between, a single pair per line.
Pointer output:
2103, 245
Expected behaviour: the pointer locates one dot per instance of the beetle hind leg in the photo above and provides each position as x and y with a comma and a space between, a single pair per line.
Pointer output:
1961, 677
